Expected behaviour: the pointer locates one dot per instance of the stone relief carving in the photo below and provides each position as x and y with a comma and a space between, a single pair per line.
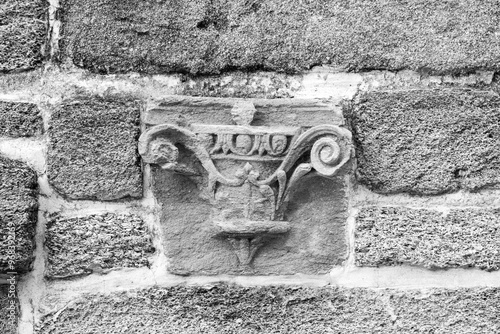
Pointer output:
250, 170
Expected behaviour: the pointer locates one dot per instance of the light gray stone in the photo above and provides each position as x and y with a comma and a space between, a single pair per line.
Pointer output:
18, 215
232, 309
20, 119
394, 236
236, 186
427, 142
83, 245
93, 148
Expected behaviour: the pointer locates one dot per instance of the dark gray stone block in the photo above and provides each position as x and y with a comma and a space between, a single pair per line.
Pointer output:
224, 309
280, 35
82, 245
18, 215
9, 307
20, 119
427, 142
394, 236
93, 149
22, 34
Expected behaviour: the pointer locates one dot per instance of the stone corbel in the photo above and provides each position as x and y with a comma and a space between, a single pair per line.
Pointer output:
249, 201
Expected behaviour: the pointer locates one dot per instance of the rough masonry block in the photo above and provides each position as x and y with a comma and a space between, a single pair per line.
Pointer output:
22, 33
20, 119
93, 148
82, 245
18, 215
463, 238
223, 309
249, 198
280, 35
427, 142
9, 307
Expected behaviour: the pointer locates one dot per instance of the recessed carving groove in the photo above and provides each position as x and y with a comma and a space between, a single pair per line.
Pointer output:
250, 198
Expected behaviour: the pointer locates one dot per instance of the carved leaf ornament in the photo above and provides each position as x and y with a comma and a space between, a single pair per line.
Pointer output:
321, 150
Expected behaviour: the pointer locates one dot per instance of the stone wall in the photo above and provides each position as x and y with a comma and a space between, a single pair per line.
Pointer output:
234, 166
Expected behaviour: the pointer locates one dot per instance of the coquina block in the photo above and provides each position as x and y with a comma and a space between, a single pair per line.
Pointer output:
23, 31
151, 36
247, 191
9, 306
18, 215
93, 148
427, 142
462, 238
20, 119
230, 309
82, 245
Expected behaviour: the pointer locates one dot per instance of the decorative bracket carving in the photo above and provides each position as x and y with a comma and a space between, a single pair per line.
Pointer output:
248, 200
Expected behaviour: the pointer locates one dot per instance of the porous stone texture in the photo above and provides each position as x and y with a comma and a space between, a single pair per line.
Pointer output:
22, 33
206, 230
395, 235
224, 309
18, 215
93, 148
212, 36
427, 142
185, 110
8, 308
19, 119
269, 85
315, 243
82, 245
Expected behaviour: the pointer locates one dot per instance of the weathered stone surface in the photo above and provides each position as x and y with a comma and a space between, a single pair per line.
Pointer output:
223, 309
244, 198
9, 307
239, 84
394, 236
316, 242
184, 110
19, 119
93, 148
82, 245
18, 215
213, 36
22, 33
427, 142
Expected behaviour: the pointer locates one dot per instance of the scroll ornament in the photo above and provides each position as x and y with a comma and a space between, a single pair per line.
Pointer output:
248, 208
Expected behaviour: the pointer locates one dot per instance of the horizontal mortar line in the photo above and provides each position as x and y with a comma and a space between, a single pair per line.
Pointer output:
52, 201
39, 140
407, 277
316, 73
485, 198
142, 278
77, 208
28, 150
389, 277
16, 97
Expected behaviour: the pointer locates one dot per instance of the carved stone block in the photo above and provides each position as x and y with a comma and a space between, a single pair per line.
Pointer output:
239, 198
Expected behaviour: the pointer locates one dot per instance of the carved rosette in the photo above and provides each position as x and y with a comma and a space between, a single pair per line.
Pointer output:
248, 208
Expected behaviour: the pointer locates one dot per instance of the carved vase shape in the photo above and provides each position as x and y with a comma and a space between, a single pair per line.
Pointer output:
247, 207
246, 215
